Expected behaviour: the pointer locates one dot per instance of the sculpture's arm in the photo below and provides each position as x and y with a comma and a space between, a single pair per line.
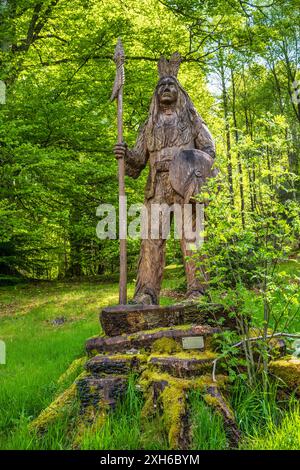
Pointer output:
136, 158
204, 140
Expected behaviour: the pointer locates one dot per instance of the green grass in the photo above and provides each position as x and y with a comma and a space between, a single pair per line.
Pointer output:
207, 427
39, 351
285, 436
126, 429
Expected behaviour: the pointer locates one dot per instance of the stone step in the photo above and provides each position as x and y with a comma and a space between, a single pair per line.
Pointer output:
99, 392
122, 319
145, 339
183, 367
118, 365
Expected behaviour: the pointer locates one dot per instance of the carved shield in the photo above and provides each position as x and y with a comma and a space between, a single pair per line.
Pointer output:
188, 171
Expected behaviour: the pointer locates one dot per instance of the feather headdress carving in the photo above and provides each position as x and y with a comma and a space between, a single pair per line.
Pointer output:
170, 67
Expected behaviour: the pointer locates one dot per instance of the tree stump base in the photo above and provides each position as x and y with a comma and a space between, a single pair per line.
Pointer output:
168, 361
170, 349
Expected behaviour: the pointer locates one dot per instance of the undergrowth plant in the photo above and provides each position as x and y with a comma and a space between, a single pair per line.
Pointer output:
266, 422
243, 253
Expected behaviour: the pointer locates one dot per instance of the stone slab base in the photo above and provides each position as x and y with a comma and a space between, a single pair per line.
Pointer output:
128, 319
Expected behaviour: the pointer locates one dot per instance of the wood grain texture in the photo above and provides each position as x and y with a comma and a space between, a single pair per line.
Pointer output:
133, 318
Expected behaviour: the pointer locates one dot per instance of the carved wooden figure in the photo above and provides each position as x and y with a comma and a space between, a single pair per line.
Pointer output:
180, 151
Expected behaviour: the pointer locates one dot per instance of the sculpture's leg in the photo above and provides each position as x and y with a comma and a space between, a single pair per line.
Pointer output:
196, 276
152, 255
150, 271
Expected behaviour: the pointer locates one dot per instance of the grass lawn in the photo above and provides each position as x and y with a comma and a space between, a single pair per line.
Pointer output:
45, 326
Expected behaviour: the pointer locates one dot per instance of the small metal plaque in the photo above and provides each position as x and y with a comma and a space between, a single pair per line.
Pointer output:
193, 342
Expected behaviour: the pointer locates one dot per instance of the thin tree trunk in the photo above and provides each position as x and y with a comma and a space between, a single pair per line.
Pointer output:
236, 134
75, 267
227, 130
251, 165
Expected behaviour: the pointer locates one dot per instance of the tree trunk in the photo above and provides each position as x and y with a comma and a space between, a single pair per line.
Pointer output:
239, 162
227, 130
75, 267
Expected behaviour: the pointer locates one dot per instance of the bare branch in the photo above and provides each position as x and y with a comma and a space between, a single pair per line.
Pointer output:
52, 36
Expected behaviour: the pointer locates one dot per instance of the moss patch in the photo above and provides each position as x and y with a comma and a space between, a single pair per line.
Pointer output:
75, 368
175, 415
205, 355
288, 370
165, 346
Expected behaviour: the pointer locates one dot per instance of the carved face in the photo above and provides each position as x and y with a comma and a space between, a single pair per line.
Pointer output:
167, 91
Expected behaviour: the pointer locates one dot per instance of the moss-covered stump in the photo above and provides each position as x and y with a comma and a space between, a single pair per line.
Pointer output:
176, 416
144, 340
184, 365
128, 319
117, 365
167, 395
168, 398
101, 392
74, 369
288, 371
166, 372
167, 366
214, 398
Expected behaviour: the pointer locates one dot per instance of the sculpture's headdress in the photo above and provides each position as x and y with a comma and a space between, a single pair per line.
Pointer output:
170, 67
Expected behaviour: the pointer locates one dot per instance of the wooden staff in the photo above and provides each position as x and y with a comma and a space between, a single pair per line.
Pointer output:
119, 58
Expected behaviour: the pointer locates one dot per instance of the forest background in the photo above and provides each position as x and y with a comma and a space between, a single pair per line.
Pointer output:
58, 127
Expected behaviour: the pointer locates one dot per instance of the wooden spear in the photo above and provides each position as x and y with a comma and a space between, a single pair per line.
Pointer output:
119, 58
